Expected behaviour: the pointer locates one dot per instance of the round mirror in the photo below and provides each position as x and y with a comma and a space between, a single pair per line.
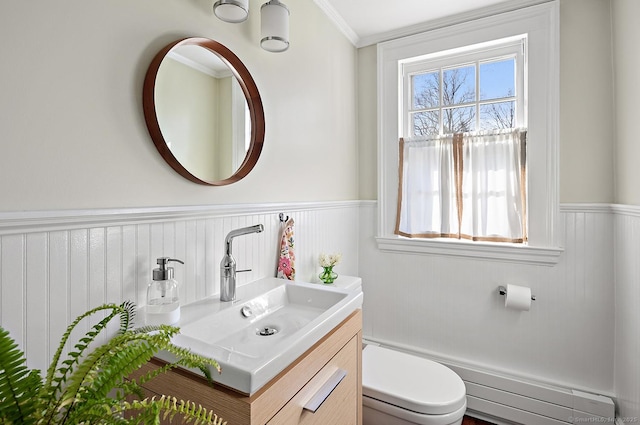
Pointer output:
203, 111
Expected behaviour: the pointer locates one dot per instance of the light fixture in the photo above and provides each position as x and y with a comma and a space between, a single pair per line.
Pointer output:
233, 11
274, 18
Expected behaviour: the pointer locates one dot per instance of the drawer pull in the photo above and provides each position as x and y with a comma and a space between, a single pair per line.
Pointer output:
326, 390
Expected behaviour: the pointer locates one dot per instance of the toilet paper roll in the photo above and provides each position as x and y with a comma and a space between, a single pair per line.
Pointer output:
518, 298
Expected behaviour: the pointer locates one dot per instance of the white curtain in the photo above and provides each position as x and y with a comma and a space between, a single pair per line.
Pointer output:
427, 188
470, 185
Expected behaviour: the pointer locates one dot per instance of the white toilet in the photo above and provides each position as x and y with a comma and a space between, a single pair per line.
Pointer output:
401, 389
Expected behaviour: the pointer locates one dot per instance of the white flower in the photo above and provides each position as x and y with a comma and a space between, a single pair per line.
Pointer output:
329, 260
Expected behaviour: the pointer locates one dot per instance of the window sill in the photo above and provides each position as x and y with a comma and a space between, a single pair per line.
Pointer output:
523, 254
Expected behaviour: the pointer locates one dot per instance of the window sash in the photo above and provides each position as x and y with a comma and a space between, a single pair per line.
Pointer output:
507, 48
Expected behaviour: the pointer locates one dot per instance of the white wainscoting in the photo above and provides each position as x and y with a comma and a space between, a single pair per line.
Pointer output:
450, 308
56, 265
627, 312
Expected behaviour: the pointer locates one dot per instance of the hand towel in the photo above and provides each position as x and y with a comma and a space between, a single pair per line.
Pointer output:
286, 263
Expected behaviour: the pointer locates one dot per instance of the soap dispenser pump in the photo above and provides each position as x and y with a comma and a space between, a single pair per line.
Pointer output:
163, 302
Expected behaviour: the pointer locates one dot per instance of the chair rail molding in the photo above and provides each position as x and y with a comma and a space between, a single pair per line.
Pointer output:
43, 221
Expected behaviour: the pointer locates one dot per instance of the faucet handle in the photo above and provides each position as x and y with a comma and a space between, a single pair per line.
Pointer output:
245, 270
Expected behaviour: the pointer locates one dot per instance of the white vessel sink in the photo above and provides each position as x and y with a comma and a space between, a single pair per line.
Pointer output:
271, 323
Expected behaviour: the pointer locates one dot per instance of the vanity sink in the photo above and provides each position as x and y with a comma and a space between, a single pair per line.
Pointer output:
269, 325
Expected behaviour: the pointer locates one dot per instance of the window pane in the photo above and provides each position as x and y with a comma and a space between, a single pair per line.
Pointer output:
425, 123
459, 85
498, 115
425, 90
497, 79
458, 120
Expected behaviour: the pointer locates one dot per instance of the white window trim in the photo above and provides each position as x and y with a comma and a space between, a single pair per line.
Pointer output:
541, 25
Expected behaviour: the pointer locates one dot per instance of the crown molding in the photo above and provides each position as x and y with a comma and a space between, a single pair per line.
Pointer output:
447, 21
458, 18
338, 21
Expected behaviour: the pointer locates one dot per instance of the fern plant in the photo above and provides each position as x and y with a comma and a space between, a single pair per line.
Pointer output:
91, 385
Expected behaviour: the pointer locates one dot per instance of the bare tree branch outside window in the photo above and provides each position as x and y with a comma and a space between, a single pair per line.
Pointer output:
454, 109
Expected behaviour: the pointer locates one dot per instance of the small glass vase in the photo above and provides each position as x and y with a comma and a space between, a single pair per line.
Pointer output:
328, 275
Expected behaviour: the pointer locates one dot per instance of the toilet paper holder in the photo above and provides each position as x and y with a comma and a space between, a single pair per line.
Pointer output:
503, 291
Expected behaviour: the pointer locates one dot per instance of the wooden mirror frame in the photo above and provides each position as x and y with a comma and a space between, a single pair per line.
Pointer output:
249, 88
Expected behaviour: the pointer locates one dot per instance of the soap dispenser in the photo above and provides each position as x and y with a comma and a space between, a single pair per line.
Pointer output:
163, 302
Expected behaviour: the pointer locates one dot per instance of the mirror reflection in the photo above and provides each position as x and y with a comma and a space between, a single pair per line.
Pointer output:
203, 111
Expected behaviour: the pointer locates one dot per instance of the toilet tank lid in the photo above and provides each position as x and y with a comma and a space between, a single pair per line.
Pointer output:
410, 382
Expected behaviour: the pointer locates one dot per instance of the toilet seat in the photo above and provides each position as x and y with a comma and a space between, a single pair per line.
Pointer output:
396, 415
411, 383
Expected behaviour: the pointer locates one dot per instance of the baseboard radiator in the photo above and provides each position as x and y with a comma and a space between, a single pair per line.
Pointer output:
507, 400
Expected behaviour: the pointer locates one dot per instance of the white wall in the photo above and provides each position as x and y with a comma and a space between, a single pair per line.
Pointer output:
626, 38
367, 118
73, 132
627, 313
451, 307
587, 136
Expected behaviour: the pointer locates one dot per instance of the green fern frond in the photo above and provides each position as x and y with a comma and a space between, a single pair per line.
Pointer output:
58, 372
95, 411
80, 389
125, 354
134, 386
170, 407
147, 329
191, 360
89, 337
121, 360
128, 316
19, 386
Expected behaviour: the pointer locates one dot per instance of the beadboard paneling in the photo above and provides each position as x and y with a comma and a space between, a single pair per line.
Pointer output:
55, 266
451, 308
627, 312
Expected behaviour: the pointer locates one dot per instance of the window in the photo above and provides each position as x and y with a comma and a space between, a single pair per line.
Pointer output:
477, 91
463, 168
416, 69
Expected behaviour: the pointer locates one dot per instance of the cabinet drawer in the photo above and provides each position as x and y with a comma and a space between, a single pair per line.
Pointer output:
340, 406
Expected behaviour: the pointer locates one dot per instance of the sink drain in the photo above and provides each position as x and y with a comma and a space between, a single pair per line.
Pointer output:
267, 331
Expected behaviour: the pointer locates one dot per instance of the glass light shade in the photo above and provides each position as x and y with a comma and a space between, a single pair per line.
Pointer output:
233, 11
274, 17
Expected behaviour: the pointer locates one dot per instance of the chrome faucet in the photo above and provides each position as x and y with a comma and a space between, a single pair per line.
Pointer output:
228, 264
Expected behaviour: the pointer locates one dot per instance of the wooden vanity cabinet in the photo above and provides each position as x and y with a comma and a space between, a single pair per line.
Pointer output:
282, 400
